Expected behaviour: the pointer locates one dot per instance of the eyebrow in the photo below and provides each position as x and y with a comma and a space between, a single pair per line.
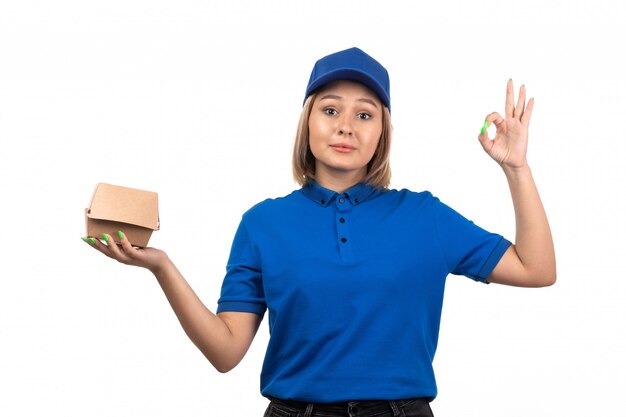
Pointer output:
366, 100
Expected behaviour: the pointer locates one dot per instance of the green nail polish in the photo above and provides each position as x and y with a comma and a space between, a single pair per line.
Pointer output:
120, 234
105, 237
486, 125
92, 240
482, 130
84, 240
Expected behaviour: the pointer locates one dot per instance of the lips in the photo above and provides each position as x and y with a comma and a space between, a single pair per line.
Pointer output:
343, 147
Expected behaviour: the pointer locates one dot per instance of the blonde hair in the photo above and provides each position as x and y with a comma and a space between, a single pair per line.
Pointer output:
303, 161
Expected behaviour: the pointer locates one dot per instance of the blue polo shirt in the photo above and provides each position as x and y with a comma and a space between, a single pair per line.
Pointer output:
353, 284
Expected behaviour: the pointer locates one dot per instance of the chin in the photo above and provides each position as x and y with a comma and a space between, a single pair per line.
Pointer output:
341, 169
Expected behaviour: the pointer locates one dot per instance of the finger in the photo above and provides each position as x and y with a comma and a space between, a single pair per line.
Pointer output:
483, 138
528, 112
90, 241
98, 245
126, 246
521, 102
509, 105
485, 142
494, 118
114, 249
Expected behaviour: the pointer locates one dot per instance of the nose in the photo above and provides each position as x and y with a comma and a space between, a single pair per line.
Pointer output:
345, 125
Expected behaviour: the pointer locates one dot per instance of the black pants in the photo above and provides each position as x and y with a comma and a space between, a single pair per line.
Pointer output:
414, 407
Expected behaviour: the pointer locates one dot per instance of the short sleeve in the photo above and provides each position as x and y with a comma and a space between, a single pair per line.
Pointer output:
467, 248
242, 289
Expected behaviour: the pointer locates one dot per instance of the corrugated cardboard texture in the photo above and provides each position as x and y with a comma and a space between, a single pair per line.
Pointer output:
134, 212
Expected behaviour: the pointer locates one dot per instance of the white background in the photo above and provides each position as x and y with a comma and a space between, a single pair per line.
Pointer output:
199, 101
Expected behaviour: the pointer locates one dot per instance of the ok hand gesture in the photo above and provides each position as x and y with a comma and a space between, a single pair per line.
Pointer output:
508, 147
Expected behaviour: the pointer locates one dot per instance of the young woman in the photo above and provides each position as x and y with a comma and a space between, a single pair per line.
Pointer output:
351, 272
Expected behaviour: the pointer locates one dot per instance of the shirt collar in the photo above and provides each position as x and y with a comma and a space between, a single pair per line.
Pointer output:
356, 194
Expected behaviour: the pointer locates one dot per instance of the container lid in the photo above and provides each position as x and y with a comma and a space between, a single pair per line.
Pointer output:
125, 205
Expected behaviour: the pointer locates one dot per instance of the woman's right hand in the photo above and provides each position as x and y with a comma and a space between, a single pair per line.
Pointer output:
150, 258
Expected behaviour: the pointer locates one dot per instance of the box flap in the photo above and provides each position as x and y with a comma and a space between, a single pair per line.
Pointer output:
126, 205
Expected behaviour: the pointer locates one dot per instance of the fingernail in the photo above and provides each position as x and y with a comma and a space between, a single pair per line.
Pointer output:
485, 125
523, 86
105, 237
84, 240
510, 79
120, 234
92, 241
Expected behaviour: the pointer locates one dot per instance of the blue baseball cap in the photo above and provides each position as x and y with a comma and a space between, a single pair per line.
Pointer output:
351, 64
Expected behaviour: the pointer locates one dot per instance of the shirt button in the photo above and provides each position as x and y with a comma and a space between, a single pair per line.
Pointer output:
341, 200
356, 201
323, 201
344, 240
342, 220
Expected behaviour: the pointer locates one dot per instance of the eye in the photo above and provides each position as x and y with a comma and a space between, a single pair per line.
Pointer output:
330, 111
364, 116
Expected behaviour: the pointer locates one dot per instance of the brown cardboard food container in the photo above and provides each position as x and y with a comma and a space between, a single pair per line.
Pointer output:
134, 212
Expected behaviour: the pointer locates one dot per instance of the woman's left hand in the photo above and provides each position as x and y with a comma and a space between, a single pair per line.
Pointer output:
508, 147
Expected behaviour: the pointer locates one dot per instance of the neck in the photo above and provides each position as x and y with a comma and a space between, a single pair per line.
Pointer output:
339, 181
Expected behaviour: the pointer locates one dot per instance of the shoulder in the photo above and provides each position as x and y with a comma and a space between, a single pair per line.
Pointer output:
410, 198
273, 206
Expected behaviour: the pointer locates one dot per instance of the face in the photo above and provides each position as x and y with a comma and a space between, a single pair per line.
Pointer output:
345, 126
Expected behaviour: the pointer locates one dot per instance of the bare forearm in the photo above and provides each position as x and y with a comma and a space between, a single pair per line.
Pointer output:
206, 330
533, 239
223, 339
